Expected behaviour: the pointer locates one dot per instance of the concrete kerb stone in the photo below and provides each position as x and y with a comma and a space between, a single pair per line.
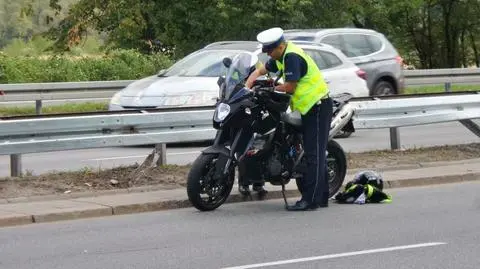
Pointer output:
72, 215
14, 217
416, 182
50, 211
185, 203
8, 218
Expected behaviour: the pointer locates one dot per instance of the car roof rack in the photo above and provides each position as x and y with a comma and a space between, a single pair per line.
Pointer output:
230, 42
249, 42
333, 29
312, 30
306, 42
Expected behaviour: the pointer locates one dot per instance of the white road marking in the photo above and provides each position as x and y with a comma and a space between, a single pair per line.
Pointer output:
142, 156
339, 255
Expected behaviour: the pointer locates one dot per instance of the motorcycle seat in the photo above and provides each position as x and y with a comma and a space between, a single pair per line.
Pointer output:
292, 118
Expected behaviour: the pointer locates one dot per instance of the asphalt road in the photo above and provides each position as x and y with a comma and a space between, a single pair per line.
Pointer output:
424, 227
362, 140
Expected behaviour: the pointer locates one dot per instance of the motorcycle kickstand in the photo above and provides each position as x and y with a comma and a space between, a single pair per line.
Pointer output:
283, 193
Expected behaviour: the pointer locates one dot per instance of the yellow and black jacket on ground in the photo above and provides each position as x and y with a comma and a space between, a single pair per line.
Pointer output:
358, 193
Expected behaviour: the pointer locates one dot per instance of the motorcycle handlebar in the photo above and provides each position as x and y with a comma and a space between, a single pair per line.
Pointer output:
260, 88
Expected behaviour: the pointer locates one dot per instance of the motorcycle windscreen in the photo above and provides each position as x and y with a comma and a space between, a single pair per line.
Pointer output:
237, 74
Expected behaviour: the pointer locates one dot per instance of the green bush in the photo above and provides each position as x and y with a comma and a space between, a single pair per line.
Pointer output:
115, 65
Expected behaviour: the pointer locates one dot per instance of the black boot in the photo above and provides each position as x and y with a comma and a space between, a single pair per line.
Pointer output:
302, 205
244, 190
261, 191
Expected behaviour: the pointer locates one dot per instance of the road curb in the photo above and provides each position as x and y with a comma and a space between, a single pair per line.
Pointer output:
72, 215
18, 219
417, 182
185, 203
15, 220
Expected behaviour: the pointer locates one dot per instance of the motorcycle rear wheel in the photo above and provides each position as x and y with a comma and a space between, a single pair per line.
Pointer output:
336, 168
205, 193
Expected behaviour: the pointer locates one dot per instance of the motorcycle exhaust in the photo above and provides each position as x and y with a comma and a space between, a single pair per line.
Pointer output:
341, 119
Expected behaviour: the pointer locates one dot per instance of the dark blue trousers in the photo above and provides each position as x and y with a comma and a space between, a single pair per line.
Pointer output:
316, 126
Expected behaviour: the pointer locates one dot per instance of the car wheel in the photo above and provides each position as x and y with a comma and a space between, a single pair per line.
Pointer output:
383, 88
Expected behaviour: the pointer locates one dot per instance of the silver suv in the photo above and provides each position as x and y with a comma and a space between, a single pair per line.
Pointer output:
368, 49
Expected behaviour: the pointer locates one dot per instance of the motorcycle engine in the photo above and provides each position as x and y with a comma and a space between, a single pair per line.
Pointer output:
274, 167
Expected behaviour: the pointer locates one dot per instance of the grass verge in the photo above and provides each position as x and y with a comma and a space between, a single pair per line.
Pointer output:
441, 88
66, 108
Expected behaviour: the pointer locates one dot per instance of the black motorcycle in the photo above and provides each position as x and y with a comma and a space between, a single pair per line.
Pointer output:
257, 135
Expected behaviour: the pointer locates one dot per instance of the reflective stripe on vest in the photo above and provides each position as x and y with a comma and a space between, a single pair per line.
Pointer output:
311, 87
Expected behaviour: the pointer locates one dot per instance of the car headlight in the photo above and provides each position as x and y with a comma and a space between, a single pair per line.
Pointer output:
116, 99
221, 112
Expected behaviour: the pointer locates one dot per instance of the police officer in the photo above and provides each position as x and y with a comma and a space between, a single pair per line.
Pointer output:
310, 97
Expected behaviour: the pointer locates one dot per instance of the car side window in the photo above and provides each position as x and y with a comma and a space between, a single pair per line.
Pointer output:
317, 58
331, 59
358, 45
334, 41
375, 42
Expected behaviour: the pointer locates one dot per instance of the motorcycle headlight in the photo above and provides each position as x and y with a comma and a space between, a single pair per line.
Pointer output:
221, 112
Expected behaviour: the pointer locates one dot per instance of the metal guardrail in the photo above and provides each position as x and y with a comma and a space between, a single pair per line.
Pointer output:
446, 77
104, 90
46, 133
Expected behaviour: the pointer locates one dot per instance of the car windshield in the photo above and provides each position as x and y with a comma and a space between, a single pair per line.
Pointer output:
205, 63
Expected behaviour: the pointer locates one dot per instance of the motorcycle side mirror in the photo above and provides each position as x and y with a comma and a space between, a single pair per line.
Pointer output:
227, 62
220, 80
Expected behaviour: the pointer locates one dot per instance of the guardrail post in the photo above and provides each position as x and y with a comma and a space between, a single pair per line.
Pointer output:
161, 150
15, 165
448, 87
394, 138
38, 107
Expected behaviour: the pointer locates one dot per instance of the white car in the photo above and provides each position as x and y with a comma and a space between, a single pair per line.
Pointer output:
192, 81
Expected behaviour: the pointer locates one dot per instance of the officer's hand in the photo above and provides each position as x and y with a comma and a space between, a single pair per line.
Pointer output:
256, 88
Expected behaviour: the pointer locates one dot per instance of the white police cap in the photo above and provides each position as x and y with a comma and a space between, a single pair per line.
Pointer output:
270, 38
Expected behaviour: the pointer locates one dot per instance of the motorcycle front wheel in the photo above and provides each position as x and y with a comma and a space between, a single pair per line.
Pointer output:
204, 192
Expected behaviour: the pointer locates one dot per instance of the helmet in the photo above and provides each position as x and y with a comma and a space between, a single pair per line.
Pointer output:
369, 177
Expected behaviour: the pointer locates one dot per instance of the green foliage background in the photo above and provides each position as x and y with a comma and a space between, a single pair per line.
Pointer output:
73, 40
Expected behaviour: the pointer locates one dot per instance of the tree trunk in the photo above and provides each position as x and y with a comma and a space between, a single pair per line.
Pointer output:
451, 34
430, 35
462, 46
410, 24
475, 50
